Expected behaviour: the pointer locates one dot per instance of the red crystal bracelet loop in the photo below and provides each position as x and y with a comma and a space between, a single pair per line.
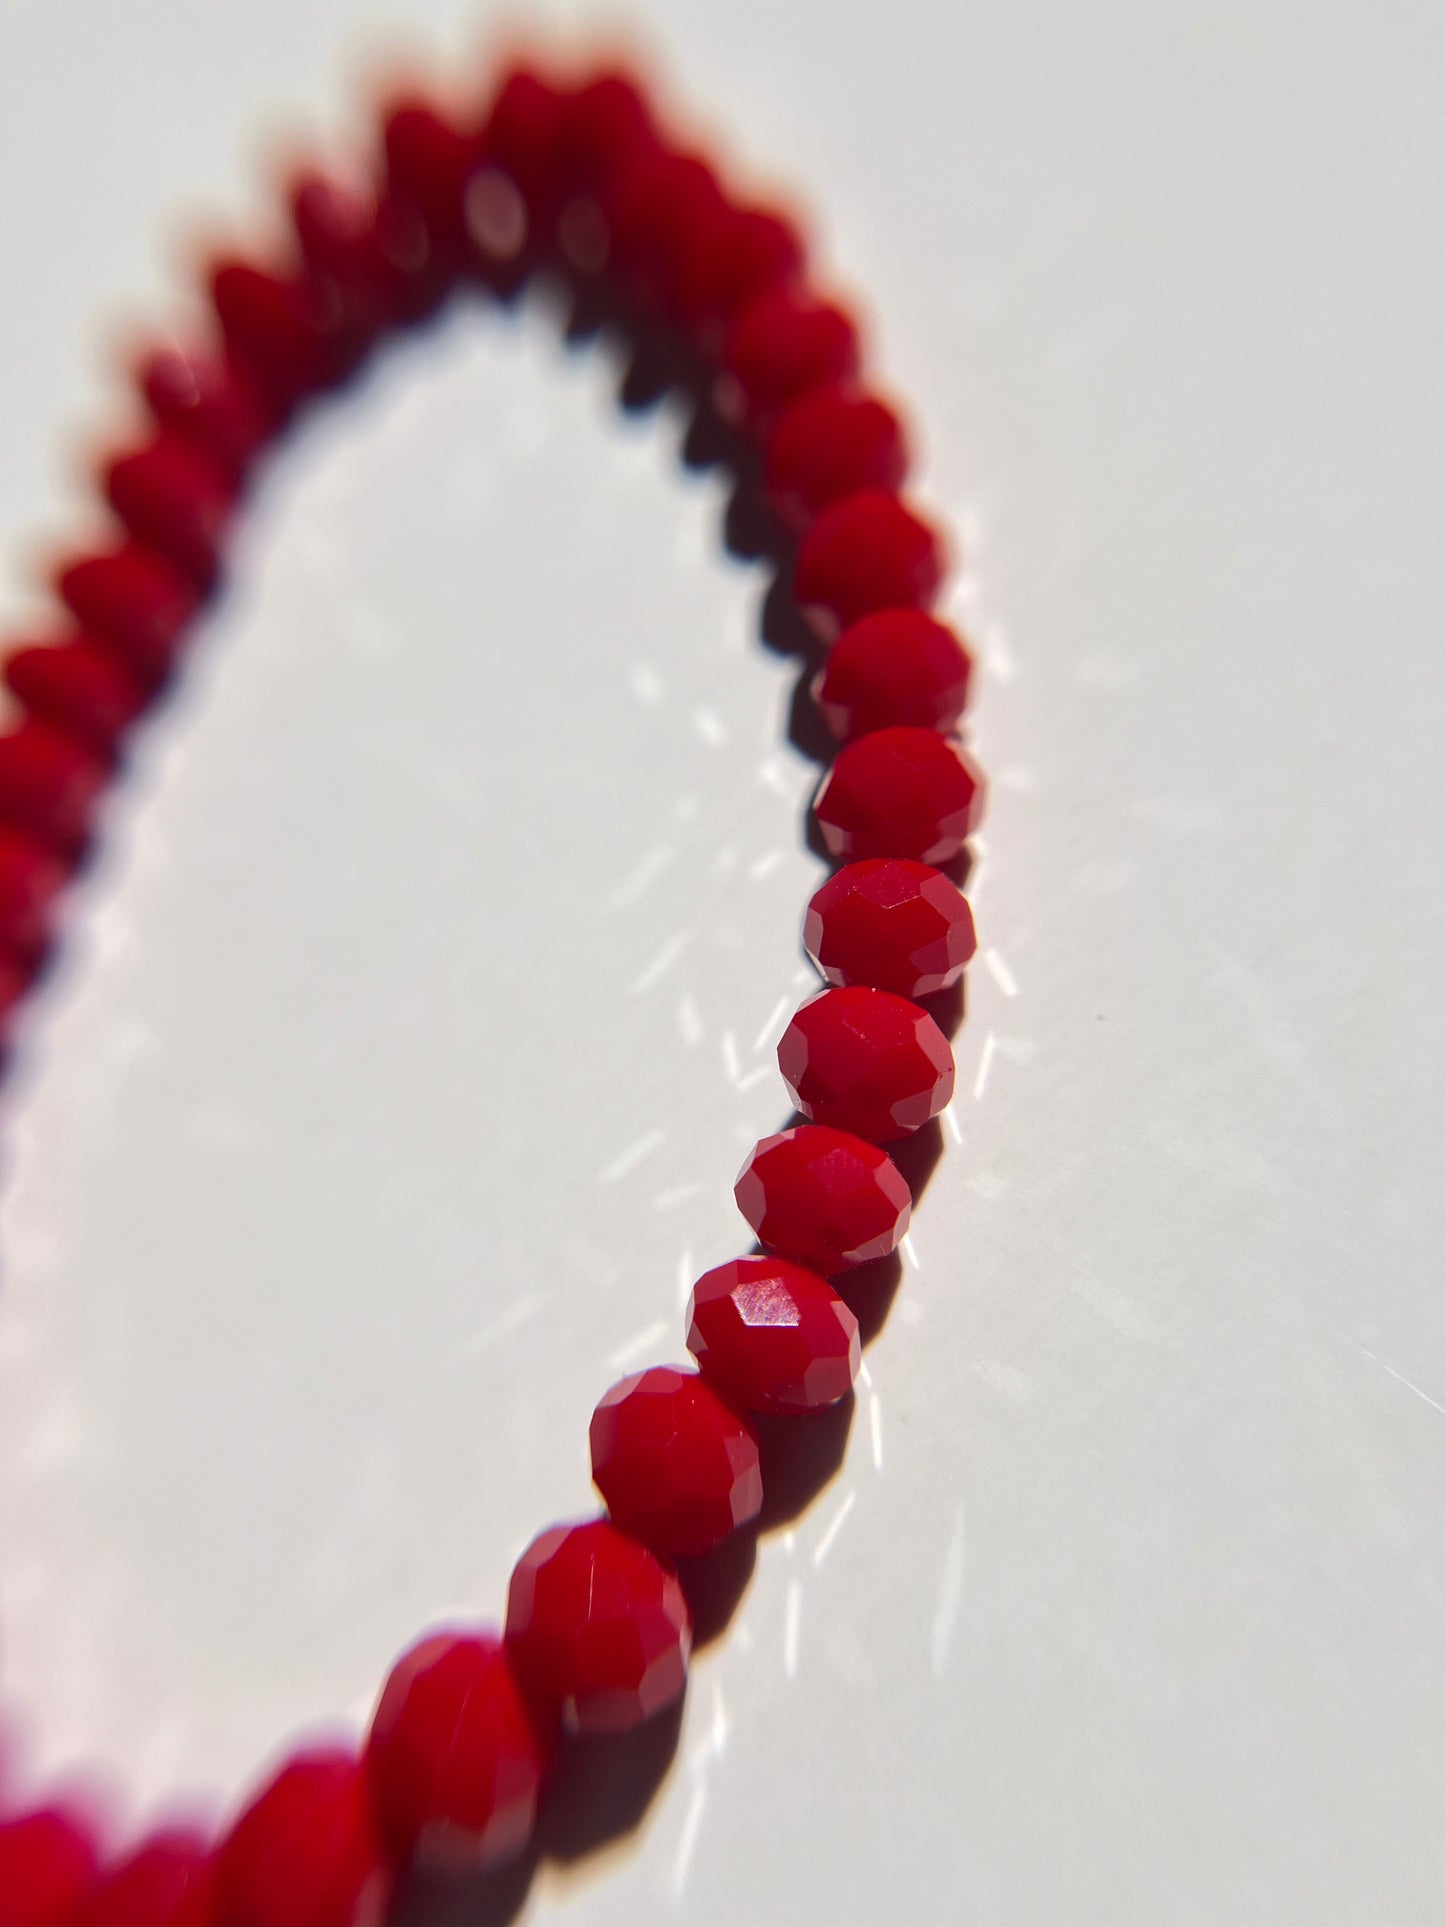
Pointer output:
574, 176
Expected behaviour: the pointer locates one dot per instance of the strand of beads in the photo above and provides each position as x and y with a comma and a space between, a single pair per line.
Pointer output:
577, 176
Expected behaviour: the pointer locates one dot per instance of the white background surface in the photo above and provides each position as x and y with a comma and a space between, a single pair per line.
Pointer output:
421, 1011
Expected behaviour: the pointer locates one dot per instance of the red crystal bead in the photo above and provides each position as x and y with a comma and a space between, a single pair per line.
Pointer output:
892, 923
655, 201
829, 444
31, 877
676, 1465
47, 1863
210, 402
133, 599
899, 792
303, 1853
598, 1627
173, 498
729, 258
456, 1757
372, 251
773, 1335
523, 133
896, 666
80, 686
823, 1197
866, 1061
429, 162
784, 343
166, 1882
867, 552
49, 784
285, 329
601, 123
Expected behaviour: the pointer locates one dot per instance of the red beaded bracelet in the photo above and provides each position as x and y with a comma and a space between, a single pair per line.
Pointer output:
576, 178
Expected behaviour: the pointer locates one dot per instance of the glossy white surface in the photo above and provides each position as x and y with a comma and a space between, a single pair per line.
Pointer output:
421, 1010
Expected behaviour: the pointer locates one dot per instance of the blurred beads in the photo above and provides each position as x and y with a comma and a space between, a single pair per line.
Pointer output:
868, 552
784, 343
827, 445
896, 666
303, 1852
49, 784
79, 686
210, 402
47, 1864
171, 496
456, 1757
165, 1882
134, 599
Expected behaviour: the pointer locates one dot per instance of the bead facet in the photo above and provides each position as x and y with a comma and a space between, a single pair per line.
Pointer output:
773, 1336
456, 1757
866, 552
824, 1197
676, 1465
866, 1061
598, 1627
896, 666
304, 1852
890, 922
899, 792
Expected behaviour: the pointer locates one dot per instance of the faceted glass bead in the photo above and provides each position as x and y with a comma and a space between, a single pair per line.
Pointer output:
892, 923
602, 122
773, 1335
655, 199
896, 666
830, 443
899, 792
304, 1852
47, 1863
784, 343
372, 252
866, 552
166, 1882
866, 1061
172, 497
428, 162
31, 877
131, 598
824, 1197
284, 329
49, 784
730, 258
80, 686
598, 1627
210, 402
676, 1465
522, 134
456, 1756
